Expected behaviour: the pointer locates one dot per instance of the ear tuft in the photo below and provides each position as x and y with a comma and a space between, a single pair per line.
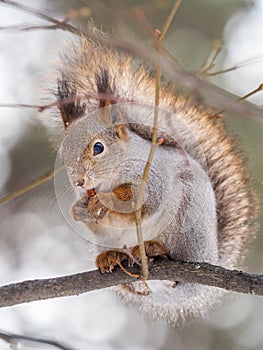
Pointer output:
70, 105
104, 87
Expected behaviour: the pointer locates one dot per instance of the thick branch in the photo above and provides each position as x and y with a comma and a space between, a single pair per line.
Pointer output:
201, 273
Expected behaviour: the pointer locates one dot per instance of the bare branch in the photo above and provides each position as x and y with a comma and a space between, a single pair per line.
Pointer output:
59, 24
27, 27
214, 96
251, 93
209, 63
201, 273
33, 184
12, 338
41, 108
22, 105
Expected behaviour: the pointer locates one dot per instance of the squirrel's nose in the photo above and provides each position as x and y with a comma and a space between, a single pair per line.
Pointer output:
80, 183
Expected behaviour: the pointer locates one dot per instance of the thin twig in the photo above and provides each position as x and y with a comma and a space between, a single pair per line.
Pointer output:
35, 183
169, 20
28, 27
60, 24
21, 105
12, 338
254, 60
221, 71
134, 275
138, 213
209, 63
59, 103
258, 89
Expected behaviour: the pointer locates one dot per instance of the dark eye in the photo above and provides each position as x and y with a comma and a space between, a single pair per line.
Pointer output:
98, 148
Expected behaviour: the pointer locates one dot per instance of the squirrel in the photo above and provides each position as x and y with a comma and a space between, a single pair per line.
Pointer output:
197, 205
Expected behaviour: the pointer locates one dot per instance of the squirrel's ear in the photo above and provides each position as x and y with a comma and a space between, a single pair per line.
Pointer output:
120, 132
70, 106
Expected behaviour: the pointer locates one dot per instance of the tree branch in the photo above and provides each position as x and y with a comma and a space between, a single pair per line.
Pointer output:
14, 339
201, 273
213, 96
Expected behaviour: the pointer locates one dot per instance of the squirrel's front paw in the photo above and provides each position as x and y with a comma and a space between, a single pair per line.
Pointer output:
106, 261
86, 209
96, 208
153, 248
79, 210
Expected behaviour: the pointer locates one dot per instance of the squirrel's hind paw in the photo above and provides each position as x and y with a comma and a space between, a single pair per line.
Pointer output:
153, 248
106, 261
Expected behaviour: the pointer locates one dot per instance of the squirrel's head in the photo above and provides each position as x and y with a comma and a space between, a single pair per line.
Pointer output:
100, 158
92, 152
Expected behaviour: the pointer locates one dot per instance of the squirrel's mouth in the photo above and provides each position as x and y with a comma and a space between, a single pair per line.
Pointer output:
91, 192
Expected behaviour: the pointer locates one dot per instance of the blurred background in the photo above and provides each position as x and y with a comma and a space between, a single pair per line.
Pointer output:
35, 240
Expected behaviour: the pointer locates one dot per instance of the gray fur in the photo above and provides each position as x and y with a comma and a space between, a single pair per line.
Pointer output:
194, 179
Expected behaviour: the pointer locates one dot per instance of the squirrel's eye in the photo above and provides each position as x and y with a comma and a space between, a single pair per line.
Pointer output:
98, 148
